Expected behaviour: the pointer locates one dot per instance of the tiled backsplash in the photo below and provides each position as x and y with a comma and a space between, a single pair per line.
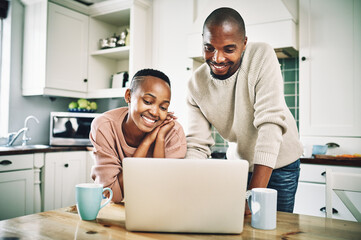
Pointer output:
289, 69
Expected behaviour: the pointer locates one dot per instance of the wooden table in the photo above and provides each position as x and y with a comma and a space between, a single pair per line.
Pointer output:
65, 224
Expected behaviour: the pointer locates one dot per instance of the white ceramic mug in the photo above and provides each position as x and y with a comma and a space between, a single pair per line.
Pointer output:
263, 205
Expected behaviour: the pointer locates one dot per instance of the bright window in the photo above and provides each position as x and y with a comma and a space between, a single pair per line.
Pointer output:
5, 36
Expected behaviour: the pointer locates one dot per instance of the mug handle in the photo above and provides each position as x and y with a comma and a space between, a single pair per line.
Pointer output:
249, 199
110, 198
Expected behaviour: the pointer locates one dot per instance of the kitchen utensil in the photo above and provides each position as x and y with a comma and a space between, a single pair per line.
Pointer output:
103, 43
319, 149
112, 41
121, 39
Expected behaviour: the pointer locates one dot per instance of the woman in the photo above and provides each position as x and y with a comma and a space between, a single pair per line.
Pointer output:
143, 129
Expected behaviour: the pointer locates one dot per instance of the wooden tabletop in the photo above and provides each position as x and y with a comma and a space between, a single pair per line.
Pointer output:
65, 224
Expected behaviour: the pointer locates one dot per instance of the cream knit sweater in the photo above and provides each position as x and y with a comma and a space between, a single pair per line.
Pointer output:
247, 109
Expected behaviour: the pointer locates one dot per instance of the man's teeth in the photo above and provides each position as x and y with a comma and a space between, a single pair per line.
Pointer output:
149, 120
219, 67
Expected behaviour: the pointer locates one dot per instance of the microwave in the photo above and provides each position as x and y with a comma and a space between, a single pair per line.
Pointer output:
70, 128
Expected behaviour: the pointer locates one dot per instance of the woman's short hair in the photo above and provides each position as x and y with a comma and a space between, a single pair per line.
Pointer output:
138, 76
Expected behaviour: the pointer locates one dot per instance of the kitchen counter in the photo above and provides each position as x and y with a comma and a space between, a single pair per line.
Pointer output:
331, 160
327, 160
40, 149
65, 224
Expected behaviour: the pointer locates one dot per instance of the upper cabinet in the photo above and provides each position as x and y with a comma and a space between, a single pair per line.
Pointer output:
62, 52
271, 21
329, 71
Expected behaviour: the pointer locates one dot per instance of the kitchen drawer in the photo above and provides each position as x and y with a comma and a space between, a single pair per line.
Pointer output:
317, 173
16, 162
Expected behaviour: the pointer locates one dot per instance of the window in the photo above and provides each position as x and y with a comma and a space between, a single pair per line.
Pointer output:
5, 35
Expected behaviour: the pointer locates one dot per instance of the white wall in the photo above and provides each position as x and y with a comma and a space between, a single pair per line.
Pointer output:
172, 21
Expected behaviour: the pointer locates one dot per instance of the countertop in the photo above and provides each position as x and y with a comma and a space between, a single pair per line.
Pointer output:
25, 150
332, 160
65, 224
319, 159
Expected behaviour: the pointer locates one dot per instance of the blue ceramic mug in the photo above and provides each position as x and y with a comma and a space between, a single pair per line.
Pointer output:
263, 205
88, 199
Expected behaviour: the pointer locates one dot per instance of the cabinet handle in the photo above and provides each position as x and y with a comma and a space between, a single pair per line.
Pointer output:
66, 165
332, 145
334, 211
303, 58
323, 174
85, 80
5, 162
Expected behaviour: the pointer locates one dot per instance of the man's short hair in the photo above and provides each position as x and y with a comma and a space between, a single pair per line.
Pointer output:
225, 14
139, 77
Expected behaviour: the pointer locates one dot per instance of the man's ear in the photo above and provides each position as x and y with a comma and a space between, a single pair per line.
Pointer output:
127, 96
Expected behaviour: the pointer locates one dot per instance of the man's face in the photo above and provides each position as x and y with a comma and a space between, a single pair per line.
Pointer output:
222, 48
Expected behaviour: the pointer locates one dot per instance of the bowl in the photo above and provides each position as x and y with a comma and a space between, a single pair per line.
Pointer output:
319, 149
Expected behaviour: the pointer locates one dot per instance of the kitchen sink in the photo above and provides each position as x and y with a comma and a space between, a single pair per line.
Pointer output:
26, 147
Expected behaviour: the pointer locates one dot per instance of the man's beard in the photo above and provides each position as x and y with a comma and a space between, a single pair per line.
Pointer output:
220, 77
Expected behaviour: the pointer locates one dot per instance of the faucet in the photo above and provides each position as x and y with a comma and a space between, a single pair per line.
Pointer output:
23, 130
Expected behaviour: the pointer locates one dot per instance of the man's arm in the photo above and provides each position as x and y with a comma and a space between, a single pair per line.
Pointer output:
260, 177
199, 137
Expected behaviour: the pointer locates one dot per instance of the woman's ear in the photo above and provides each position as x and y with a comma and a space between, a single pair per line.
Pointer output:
127, 96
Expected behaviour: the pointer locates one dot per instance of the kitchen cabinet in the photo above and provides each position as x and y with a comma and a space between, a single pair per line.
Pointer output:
311, 191
16, 185
55, 51
329, 72
62, 56
62, 171
276, 23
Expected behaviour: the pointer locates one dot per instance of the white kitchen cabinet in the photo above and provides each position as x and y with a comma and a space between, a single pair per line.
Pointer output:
107, 18
16, 185
310, 195
329, 70
275, 22
62, 56
55, 51
62, 171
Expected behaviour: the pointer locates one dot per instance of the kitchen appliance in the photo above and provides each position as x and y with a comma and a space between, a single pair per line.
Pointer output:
70, 128
120, 80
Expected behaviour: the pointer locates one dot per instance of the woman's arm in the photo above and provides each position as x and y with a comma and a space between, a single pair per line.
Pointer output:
159, 148
144, 146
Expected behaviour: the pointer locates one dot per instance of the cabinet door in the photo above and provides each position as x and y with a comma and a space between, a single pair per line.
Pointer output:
62, 172
330, 60
310, 200
17, 193
67, 48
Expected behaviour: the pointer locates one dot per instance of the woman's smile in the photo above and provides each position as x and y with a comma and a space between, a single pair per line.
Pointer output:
149, 121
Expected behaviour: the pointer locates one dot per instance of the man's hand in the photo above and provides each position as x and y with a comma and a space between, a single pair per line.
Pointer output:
247, 211
260, 178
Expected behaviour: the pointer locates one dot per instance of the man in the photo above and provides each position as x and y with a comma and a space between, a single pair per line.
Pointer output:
239, 90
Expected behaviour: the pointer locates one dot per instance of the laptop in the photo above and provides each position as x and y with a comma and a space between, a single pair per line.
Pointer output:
185, 195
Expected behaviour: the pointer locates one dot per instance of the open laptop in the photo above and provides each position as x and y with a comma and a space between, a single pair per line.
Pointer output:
184, 195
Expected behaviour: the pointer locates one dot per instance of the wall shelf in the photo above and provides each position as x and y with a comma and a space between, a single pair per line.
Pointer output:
117, 53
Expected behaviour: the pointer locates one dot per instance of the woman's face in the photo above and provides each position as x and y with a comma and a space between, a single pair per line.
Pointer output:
148, 105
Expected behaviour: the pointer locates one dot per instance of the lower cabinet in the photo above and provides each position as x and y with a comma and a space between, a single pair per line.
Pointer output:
16, 186
62, 171
311, 193
16, 194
